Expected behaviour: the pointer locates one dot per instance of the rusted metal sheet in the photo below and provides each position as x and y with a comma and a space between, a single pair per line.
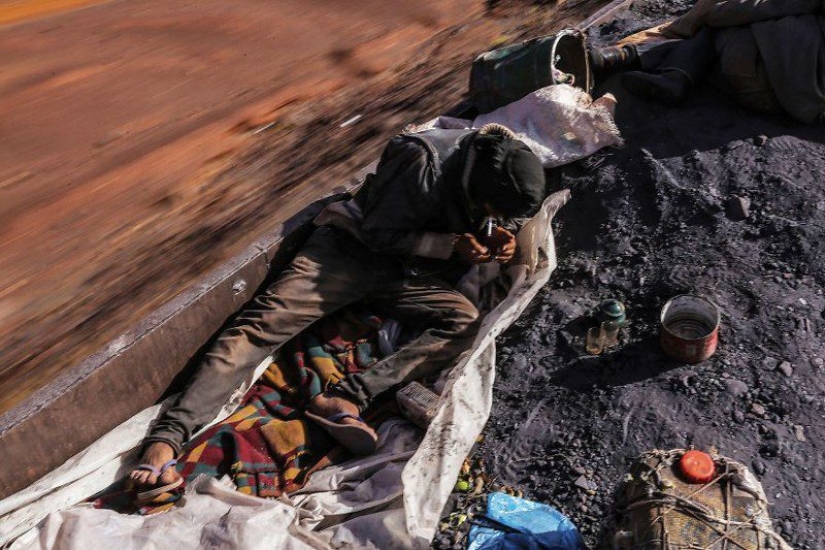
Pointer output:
137, 369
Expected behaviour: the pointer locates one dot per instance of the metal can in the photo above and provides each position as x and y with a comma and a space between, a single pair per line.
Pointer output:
690, 328
506, 74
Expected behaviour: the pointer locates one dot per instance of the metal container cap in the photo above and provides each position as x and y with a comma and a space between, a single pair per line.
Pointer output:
612, 310
697, 467
612, 307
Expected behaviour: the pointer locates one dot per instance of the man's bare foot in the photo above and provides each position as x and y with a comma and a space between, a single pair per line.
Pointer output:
326, 405
339, 417
156, 454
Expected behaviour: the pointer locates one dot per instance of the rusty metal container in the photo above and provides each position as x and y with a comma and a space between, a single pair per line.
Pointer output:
689, 328
506, 74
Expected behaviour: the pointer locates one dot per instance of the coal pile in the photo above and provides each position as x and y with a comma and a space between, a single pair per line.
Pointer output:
705, 198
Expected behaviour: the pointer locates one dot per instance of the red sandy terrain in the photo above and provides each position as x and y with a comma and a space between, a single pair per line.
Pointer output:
144, 142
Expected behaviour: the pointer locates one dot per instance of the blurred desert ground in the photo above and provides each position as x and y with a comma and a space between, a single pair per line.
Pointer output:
144, 142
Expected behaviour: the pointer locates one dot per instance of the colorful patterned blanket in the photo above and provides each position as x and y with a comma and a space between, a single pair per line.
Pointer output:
267, 447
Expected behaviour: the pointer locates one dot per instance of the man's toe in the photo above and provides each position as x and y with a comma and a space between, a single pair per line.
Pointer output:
145, 478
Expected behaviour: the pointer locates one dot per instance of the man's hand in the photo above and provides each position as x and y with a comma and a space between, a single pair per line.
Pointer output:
502, 244
468, 247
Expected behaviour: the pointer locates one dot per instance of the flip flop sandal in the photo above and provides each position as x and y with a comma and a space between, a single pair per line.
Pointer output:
356, 439
152, 493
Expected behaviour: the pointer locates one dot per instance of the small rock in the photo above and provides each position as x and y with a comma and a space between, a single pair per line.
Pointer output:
586, 268
770, 363
760, 140
818, 362
799, 432
787, 528
578, 470
736, 387
738, 416
568, 338
583, 509
686, 377
759, 467
758, 409
738, 208
785, 368
769, 448
582, 483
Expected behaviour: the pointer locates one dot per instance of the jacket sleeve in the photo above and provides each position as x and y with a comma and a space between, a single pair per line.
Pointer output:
397, 205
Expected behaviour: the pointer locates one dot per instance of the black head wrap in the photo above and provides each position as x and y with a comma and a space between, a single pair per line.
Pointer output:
507, 175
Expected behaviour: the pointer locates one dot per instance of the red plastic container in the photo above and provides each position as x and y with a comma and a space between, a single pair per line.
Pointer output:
690, 328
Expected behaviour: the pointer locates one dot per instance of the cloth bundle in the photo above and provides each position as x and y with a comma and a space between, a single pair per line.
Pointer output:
658, 509
560, 123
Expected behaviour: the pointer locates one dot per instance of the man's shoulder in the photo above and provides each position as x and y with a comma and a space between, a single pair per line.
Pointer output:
403, 147
435, 147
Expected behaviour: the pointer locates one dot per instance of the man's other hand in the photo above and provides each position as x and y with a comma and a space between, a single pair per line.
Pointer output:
502, 244
468, 247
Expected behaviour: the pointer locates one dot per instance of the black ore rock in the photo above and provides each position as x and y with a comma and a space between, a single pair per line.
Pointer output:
738, 208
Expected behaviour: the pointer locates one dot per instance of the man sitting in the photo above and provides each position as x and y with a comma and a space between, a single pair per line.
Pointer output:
399, 245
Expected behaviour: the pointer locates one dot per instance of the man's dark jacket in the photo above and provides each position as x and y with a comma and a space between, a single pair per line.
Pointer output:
417, 202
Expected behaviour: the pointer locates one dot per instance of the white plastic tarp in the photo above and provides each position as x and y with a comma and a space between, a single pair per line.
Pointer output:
391, 499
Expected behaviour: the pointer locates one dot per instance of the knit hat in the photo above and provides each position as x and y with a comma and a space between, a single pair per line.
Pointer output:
507, 175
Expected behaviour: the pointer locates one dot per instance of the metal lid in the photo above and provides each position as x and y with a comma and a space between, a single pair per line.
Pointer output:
612, 308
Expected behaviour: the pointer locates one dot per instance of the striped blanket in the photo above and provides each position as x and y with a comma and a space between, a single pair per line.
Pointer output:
267, 447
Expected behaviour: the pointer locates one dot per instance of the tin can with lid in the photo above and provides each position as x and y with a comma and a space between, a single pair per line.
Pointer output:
612, 310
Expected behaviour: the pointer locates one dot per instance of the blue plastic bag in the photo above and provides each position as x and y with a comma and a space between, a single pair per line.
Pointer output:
524, 525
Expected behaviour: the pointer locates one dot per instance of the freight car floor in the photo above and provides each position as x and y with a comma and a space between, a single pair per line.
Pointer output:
656, 219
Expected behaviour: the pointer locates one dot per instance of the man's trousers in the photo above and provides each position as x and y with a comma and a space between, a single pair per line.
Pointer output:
331, 271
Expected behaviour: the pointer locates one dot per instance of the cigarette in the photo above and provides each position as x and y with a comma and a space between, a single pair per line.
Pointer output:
490, 226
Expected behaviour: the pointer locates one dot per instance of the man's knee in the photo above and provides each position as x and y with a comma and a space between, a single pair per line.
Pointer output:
462, 318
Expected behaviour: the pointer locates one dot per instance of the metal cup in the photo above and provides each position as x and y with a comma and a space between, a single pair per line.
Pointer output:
689, 328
